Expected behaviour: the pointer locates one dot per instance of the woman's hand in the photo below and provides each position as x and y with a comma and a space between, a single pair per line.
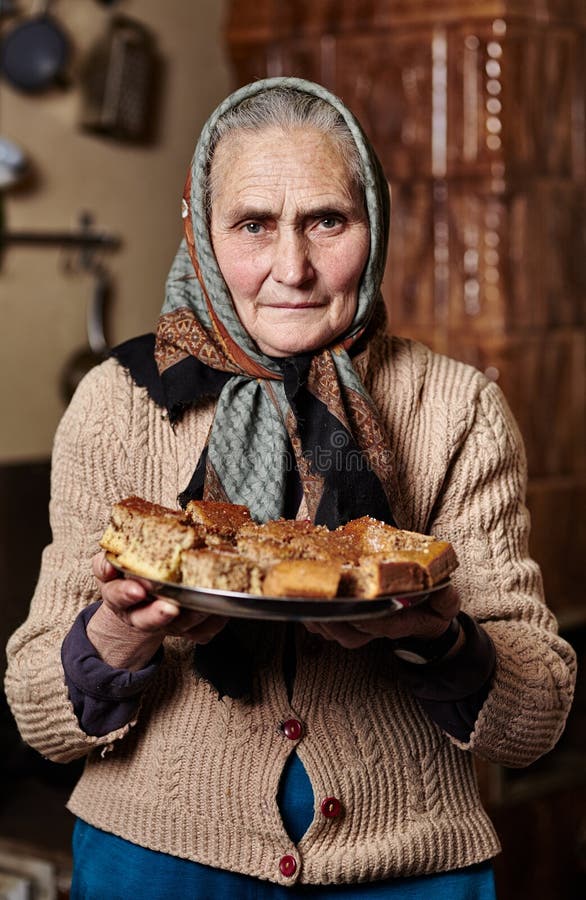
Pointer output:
129, 626
427, 621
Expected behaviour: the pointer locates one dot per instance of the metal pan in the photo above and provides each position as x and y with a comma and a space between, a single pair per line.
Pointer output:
253, 606
35, 53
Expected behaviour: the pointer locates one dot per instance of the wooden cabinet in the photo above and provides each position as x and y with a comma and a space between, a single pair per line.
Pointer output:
477, 111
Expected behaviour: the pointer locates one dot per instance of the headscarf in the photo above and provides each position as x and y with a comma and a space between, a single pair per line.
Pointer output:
308, 416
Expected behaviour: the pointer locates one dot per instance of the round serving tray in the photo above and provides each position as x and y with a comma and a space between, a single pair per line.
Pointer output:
254, 606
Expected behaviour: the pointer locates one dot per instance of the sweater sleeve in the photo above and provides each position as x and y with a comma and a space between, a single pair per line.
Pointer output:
88, 475
452, 692
481, 509
104, 698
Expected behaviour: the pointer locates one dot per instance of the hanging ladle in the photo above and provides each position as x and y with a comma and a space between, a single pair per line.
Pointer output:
96, 351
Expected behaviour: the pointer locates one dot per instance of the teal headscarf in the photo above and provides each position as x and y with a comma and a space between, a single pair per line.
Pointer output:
263, 405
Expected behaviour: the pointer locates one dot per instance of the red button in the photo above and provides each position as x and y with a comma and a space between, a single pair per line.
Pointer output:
288, 865
331, 807
292, 729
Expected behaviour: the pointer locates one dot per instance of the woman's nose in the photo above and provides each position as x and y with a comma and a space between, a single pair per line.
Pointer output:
291, 263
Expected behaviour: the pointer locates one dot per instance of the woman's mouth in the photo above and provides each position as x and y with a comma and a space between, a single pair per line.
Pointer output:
309, 304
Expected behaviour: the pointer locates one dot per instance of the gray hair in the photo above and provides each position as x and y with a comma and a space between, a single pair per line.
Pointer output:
286, 108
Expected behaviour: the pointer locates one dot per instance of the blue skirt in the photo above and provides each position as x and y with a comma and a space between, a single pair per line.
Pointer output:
107, 867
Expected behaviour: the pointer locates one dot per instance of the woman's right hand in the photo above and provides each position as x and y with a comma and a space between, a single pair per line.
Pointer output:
129, 626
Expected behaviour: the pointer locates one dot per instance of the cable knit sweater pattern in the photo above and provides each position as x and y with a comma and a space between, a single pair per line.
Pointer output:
198, 777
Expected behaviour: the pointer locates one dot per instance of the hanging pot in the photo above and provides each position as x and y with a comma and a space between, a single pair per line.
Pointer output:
34, 53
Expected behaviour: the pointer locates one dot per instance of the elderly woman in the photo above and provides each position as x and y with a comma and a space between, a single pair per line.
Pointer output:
278, 759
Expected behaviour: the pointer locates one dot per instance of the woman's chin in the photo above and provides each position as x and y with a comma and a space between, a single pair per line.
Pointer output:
280, 331
287, 340
290, 346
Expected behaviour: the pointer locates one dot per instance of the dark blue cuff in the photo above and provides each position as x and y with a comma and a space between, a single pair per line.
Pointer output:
453, 691
103, 698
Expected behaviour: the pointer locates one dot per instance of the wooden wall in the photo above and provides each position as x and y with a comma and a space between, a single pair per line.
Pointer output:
477, 111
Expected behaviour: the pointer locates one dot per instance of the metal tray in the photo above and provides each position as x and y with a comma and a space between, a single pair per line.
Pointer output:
254, 606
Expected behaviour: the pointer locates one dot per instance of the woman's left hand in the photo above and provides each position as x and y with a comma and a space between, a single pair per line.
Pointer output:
427, 621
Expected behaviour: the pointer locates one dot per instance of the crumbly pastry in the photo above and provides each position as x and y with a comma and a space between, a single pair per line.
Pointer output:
375, 577
266, 550
278, 539
407, 560
327, 546
364, 558
302, 578
219, 519
282, 530
148, 538
220, 570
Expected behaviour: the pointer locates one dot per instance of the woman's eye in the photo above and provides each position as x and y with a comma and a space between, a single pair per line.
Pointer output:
253, 227
330, 222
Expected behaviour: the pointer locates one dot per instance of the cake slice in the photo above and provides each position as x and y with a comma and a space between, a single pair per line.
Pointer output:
393, 560
327, 546
220, 520
370, 535
374, 577
266, 551
221, 571
279, 539
302, 578
148, 539
282, 530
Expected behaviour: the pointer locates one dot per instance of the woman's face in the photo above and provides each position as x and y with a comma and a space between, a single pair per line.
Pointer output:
290, 233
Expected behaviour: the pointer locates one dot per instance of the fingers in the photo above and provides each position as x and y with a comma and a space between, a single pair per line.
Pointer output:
131, 600
153, 615
116, 591
123, 593
161, 615
427, 621
102, 569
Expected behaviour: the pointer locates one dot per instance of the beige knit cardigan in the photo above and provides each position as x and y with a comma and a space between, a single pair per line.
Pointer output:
196, 776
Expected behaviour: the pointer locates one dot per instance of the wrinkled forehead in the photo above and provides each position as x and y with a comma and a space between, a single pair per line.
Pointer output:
270, 156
